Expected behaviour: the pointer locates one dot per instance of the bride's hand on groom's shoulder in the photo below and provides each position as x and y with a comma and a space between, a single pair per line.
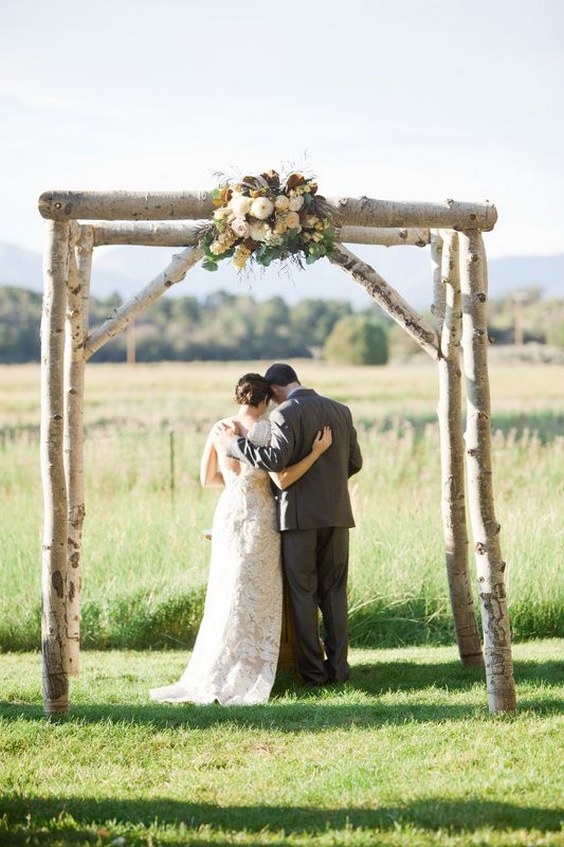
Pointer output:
322, 440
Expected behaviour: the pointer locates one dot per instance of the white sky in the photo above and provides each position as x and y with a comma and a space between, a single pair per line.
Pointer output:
395, 100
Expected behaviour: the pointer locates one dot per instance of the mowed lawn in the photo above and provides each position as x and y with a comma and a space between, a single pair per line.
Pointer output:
404, 754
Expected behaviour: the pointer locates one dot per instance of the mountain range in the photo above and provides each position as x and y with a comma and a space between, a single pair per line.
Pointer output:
126, 270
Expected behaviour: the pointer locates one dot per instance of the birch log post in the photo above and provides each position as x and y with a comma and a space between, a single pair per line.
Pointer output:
439, 287
453, 501
76, 332
388, 298
54, 544
176, 270
183, 234
190, 205
485, 528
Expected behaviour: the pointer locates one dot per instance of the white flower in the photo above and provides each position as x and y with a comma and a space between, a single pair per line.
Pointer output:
240, 204
296, 203
222, 212
262, 208
272, 238
240, 227
258, 231
281, 203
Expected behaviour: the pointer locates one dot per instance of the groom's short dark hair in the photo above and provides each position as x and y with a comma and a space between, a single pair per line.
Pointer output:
280, 374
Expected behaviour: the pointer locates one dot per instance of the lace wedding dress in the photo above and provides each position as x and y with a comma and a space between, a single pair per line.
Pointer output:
236, 652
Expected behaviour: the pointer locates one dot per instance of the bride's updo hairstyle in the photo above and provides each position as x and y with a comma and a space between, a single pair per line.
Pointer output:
251, 390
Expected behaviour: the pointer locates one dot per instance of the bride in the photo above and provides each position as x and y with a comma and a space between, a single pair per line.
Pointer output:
236, 652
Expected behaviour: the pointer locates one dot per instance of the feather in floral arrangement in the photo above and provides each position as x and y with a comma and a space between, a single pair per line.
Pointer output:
263, 218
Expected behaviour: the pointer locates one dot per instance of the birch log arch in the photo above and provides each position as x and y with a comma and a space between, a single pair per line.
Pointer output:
77, 222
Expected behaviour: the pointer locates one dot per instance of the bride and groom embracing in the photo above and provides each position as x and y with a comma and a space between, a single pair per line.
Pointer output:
304, 452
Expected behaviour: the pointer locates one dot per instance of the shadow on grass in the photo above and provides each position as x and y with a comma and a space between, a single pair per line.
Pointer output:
294, 708
427, 814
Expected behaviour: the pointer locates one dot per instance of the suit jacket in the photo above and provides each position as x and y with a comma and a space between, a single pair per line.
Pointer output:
321, 497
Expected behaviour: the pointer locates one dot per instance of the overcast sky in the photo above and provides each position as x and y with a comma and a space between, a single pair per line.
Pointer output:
399, 101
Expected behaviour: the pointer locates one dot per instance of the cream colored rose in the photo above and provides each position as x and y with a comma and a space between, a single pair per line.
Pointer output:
240, 205
281, 204
281, 224
293, 220
262, 208
240, 227
296, 203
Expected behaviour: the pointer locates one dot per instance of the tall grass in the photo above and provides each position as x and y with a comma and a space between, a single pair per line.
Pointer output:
145, 559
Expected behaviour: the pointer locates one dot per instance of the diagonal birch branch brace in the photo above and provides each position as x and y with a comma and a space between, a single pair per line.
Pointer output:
76, 331
453, 501
392, 303
485, 528
176, 270
182, 234
54, 544
190, 205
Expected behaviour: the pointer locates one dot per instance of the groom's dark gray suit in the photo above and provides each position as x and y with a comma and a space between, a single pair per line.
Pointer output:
314, 518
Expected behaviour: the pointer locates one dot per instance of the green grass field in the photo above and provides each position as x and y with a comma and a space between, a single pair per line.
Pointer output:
145, 560
404, 755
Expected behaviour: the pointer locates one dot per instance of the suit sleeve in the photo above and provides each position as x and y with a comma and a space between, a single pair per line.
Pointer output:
273, 458
355, 456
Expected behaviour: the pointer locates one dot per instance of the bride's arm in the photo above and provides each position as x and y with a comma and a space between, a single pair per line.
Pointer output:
210, 470
210, 474
284, 478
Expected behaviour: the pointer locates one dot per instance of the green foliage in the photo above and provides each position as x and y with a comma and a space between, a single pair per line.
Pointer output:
404, 755
357, 340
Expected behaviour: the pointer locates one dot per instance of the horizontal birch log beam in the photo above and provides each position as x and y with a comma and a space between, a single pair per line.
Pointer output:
191, 205
182, 234
384, 236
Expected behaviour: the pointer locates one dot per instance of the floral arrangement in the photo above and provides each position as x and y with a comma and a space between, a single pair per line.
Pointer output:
266, 217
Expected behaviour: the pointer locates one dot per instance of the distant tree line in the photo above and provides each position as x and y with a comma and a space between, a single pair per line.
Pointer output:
226, 327
222, 327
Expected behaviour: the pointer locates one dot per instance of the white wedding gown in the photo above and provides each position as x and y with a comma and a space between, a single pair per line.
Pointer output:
236, 652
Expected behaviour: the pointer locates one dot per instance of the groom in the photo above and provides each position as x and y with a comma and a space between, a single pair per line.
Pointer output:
314, 517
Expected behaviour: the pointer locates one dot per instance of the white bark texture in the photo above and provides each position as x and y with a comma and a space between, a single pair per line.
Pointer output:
453, 501
190, 205
485, 528
157, 233
439, 288
182, 234
383, 236
176, 270
54, 544
76, 332
392, 303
